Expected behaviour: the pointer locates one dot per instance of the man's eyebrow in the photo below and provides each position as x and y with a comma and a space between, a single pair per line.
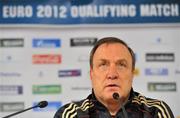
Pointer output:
102, 59
120, 60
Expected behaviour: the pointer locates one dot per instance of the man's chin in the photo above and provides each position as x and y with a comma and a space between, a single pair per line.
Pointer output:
110, 92
112, 89
109, 96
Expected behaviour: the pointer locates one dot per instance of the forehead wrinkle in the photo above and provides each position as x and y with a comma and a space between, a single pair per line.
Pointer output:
102, 52
115, 61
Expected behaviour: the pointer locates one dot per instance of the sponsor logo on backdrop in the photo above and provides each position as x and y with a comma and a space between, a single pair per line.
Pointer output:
162, 86
10, 58
46, 89
160, 57
83, 41
83, 58
52, 106
136, 72
11, 106
40, 74
12, 42
46, 43
69, 73
9, 74
156, 71
79, 88
159, 41
5, 58
177, 71
11, 89
46, 59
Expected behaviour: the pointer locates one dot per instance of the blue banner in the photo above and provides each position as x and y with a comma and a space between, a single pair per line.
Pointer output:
67, 12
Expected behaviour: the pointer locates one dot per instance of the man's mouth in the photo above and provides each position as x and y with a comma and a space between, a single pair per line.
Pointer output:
112, 85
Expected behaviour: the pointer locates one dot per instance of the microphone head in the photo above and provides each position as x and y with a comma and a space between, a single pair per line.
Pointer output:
42, 104
116, 96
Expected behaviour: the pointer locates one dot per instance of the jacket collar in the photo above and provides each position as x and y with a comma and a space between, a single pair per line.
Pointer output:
98, 104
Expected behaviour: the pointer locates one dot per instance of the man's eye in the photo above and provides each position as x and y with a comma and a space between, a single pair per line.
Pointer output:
102, 64
122, 65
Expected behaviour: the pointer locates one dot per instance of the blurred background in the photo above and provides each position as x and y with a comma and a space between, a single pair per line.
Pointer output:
45, 46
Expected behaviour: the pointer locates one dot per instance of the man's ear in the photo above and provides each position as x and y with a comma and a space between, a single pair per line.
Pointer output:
91, 72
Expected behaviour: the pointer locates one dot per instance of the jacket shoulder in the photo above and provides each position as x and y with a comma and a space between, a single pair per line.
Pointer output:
163, 110
71, 110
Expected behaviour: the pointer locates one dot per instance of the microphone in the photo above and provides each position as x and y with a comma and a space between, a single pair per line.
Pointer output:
117, 98
41, 104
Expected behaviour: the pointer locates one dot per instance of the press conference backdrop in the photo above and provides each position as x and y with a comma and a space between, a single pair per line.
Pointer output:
45, 45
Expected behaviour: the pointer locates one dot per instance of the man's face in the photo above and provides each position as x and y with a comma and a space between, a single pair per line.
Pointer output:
112, 71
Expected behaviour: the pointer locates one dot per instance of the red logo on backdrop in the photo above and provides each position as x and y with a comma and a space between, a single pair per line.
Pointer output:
46, 59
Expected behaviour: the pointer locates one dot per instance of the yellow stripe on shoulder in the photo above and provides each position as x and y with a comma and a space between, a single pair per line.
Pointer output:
68, 109
153, 103
85, 105
71, 110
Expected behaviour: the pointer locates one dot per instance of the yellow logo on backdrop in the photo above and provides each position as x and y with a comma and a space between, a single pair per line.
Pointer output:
136, 72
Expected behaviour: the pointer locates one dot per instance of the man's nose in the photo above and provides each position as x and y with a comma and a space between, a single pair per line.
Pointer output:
112, 72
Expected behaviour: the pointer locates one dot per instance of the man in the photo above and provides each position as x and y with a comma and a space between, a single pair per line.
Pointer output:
112, 64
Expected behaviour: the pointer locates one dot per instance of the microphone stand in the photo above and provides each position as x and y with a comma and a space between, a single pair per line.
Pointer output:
13, 114
41, 104
124, 112
117, 97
